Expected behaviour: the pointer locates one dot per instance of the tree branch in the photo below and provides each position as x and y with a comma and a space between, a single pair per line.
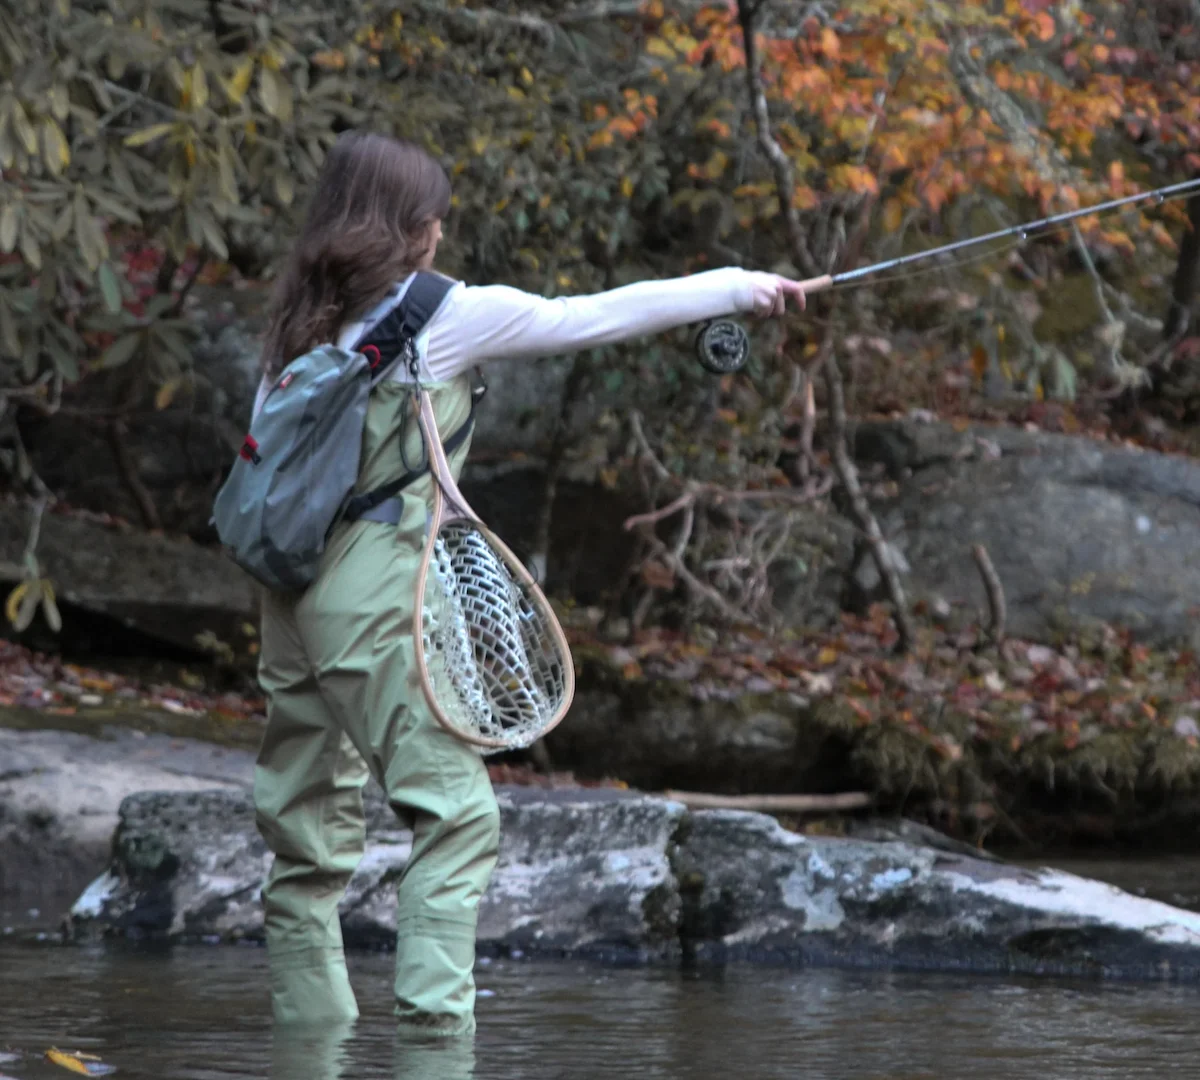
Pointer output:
785, 176
998, 610
118, 435
861, 509
796, 804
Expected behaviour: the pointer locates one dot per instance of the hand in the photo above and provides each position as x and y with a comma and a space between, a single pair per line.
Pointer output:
771, 293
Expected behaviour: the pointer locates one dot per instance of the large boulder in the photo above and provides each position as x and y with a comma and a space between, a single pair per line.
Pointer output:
1081, 531
580, 872
163, 589
60, 792
751, 890
621, 875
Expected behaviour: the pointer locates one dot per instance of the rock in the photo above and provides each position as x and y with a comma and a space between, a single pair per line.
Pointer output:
162, 588
621, 875
583, 872
59, 796
182, 443
753, 891
1081, 532
657, 735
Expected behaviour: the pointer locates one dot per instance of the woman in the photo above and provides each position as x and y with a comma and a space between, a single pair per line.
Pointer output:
337, 662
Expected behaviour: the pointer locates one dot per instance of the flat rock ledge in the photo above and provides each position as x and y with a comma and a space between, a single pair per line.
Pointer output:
623, 877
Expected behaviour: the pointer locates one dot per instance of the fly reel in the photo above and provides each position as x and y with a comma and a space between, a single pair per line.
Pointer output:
722, 347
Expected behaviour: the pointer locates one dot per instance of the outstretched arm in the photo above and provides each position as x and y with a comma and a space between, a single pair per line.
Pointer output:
478, 324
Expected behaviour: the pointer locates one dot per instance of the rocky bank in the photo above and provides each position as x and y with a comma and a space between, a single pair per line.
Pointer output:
620, 876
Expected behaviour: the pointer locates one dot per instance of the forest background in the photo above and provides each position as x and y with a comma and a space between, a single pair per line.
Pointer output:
155, 155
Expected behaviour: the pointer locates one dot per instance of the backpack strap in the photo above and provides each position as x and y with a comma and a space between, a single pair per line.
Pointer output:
392, 341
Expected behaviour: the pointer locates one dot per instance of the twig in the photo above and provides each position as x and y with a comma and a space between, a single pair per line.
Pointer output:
560, 437
117, 436
1125, 373
797, 804
864, 517
785, 176
655, 516
135, 98
997, 609
694, 583
35, 530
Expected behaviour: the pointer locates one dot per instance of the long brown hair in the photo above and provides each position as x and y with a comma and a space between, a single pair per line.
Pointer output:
363, 232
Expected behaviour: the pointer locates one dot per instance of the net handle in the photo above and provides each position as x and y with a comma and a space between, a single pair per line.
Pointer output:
446, 490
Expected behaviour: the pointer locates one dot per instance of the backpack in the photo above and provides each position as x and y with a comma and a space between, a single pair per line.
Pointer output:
294, 477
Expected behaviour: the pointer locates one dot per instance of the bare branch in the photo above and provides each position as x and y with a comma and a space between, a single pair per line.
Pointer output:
118, 439
864, 518
785, 177
997, 609
796, 804
655, 516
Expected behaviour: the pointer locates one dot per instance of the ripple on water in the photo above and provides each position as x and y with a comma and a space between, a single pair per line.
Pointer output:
201, 1014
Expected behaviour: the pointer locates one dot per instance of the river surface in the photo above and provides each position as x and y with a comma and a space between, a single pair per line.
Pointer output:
201, 1014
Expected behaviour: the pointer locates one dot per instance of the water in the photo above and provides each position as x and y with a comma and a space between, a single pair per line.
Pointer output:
202, 1014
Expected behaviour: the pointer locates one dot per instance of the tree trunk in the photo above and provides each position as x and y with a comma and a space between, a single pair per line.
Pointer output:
1187, 276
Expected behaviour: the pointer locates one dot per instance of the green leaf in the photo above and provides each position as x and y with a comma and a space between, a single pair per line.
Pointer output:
159, 305
9, 221
50, 608
63, 223
285, 188
60, 101
10, 343
55, 152
120, 351
149, 134
23, 128
28, 606
275, 92
31, 250
199, 86
110, 288
174, 343
1065, 378
85, 239
114, 207
64, 361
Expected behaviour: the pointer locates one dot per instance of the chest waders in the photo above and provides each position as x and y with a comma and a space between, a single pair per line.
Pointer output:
345, 703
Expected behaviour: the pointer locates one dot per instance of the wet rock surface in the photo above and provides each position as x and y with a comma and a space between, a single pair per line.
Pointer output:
60, 792
617, 875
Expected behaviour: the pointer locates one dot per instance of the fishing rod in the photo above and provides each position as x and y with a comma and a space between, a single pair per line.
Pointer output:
723, 346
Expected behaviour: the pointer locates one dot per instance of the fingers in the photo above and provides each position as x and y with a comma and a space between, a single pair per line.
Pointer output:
795, 290
772, 292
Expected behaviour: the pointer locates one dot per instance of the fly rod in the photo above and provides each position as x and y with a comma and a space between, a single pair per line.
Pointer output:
723, 346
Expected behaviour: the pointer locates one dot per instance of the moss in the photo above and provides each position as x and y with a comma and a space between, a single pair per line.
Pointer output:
1074, 312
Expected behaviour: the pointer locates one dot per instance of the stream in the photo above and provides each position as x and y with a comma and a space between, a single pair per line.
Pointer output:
202, 1014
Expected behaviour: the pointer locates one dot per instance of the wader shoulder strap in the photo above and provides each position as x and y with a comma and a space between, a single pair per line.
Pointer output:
393, 340
382, 504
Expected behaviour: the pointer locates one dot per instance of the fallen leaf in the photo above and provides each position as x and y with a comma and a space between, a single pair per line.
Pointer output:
83, 1064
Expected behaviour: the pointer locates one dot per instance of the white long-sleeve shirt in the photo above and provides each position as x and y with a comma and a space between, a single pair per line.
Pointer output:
478, 323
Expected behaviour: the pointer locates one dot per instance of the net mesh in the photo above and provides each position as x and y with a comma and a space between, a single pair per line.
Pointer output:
494, 663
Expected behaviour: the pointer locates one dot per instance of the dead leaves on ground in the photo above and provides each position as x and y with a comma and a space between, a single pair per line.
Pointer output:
1073, 692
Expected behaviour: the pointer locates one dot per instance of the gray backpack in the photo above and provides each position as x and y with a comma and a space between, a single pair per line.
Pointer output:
294, 477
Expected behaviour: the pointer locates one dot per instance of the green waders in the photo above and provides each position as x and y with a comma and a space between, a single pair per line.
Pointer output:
345, 701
